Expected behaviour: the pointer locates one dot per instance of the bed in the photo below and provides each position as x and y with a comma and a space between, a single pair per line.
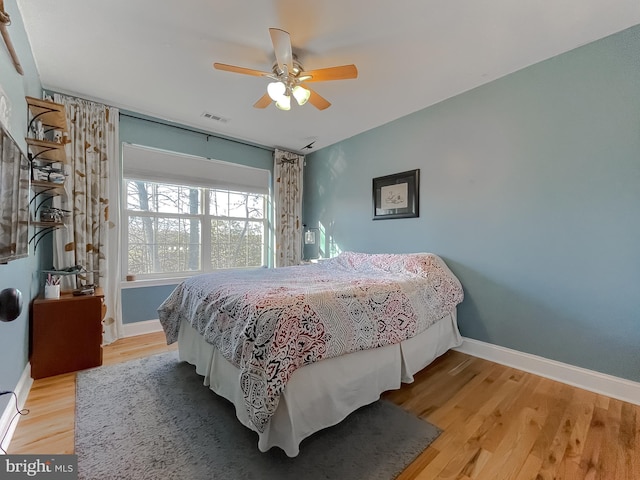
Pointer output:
296, 349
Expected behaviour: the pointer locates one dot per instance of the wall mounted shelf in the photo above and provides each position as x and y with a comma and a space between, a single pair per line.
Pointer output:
42, 229
39, 186
45, 189
42, 153
51, 114
48, 224
46, 151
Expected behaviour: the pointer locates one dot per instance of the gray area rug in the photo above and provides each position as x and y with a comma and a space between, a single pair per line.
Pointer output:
154, 419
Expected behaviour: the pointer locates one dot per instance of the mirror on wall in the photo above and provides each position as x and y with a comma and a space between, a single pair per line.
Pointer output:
14, 199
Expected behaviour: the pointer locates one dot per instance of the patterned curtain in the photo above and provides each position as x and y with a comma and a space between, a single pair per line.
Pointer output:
287, 171
91, 236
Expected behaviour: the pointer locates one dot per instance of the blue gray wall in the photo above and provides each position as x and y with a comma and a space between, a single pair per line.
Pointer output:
20, 274
139, 304
530, 190
142, 130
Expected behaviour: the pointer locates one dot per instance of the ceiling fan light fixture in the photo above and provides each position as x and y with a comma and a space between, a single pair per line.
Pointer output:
276, 90
287, 76
301, 94
284, 102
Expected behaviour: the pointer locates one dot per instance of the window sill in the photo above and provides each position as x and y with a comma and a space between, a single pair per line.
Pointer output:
156, 282
152, 282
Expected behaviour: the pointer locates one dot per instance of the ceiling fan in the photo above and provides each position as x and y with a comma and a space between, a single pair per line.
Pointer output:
289, 78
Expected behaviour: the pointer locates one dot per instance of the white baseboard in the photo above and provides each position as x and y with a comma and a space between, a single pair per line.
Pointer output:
7, 422
140, 328
593, 381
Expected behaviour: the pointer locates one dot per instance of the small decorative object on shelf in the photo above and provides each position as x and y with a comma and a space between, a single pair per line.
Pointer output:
72, 270
82, 275
85, 290
38, 130
48, 173
52, 287
52, 292
50, 214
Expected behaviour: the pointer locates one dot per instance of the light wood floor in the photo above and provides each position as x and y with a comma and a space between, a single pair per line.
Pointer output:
498, 422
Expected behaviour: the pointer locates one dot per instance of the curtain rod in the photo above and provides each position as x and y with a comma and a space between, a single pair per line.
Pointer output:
191, 130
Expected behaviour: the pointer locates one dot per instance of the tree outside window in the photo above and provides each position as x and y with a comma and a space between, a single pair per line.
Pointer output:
175, 229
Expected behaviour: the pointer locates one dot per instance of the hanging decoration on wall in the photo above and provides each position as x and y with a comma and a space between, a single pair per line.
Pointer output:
5, 108
397, 195
5, 21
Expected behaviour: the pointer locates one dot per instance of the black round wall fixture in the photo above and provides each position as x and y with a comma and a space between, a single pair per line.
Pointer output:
10, 304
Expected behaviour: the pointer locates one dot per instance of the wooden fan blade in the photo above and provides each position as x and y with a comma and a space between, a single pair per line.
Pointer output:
317, 100
264, 101
343, 72
244, 71
282, 48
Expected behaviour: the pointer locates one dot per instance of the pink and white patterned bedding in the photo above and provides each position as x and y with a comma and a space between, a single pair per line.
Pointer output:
269, 322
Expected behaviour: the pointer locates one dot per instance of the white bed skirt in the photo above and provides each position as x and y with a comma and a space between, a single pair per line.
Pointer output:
324, 393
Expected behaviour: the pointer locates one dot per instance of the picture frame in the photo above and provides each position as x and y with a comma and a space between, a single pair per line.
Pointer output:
397, 195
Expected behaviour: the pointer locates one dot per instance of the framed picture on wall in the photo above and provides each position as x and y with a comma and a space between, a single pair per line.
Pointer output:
397, 195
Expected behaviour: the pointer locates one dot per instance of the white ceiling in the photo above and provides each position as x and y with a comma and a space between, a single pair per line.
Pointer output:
155, 57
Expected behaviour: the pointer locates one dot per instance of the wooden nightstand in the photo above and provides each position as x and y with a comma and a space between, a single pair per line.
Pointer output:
65, 334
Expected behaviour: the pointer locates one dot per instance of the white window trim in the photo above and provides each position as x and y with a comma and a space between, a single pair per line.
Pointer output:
160, 166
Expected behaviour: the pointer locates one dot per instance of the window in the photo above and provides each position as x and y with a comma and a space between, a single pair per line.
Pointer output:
237, 229
174, 229
190, 227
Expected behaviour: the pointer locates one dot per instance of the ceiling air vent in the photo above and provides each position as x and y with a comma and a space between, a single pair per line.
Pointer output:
215, 118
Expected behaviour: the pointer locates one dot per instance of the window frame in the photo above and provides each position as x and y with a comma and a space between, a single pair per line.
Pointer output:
205, 218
